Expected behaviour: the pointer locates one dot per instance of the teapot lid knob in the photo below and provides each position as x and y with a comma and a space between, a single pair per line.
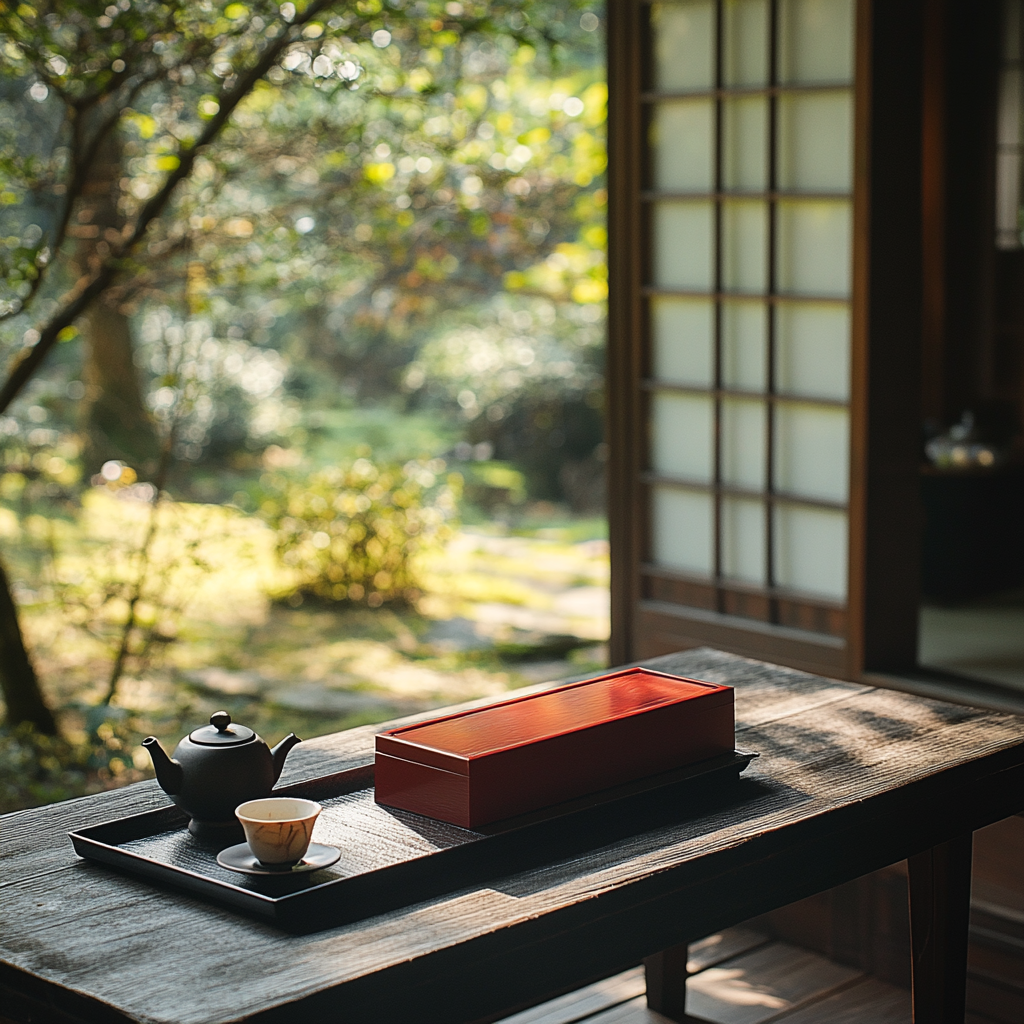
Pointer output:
221, 733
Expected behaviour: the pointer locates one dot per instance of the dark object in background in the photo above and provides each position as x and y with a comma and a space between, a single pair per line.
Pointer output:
973, 536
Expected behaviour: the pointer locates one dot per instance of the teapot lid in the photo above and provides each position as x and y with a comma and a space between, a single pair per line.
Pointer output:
221, 733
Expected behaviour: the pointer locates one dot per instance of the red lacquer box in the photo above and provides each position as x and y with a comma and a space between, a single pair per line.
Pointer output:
523, 754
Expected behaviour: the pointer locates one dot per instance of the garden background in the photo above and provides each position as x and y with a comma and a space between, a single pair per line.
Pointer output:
302, 309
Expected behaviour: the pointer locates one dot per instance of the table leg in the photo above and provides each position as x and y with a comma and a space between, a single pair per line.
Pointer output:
666, 984
940, 903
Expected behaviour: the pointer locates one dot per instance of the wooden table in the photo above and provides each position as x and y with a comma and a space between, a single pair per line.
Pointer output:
850, 778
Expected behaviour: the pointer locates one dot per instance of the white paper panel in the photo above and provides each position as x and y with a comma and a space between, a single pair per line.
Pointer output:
812, 350
1008, 122
744, 345
810, 550
682, 429
682, 136
743, 540
744, 246
815, 149
682, 530
683, 46
814, 248
745, 49
683, 340
816, 40
743, 441
1013, 11
812, 451
745, 144
1009, 197
1010, 136
683, 236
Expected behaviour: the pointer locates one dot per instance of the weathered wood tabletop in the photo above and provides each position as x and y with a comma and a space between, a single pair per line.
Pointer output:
850, 778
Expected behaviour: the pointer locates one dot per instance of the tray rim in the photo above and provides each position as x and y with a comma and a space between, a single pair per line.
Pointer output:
116, 855
277, 909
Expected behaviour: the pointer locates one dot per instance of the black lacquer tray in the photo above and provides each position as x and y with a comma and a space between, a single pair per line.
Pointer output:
392, 858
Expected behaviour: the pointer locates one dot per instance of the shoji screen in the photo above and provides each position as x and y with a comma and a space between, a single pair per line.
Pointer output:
764, 380
749, 204
1010, 131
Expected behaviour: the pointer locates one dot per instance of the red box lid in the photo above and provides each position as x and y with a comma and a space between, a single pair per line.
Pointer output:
454, 741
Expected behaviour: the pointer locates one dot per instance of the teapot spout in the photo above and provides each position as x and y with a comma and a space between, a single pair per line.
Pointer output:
168, 771
280, 752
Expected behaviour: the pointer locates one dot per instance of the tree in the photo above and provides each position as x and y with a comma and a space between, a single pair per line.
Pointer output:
173, 74
22, 696
117, 422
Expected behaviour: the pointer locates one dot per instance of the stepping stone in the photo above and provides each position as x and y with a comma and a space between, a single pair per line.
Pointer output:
449, 636
315, 697
233, 682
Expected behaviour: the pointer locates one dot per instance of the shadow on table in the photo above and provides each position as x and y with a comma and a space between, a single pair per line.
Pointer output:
650, 823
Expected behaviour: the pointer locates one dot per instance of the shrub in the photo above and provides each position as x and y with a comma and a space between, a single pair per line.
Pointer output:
37, 769
351, 534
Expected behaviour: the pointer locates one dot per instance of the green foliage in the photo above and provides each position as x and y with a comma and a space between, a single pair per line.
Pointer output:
392, 163
37, 769
351, 534
113, 577
155, 73
491, 485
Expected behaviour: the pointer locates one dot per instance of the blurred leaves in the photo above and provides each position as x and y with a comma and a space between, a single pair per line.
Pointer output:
356, 224
86, 565
392, 164
350, 535
37, 769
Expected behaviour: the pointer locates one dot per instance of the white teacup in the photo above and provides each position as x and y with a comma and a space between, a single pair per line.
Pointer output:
278, 829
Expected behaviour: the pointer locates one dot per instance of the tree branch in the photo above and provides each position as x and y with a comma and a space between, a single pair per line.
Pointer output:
145, 552
79, 176
31, 359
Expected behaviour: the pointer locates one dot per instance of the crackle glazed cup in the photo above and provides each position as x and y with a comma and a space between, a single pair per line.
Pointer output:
278, 829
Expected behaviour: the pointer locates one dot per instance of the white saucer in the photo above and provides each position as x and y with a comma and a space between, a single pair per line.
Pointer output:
240, 858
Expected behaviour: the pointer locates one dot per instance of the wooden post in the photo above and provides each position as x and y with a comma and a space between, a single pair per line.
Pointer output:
940, 903
627, 64
666, 982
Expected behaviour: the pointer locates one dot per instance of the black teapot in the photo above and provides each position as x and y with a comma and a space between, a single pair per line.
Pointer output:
216, 768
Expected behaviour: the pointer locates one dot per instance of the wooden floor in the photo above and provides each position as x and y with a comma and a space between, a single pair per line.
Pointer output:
739, 977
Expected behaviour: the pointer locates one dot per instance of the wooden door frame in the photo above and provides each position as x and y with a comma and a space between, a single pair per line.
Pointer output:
626, 264
884, 516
